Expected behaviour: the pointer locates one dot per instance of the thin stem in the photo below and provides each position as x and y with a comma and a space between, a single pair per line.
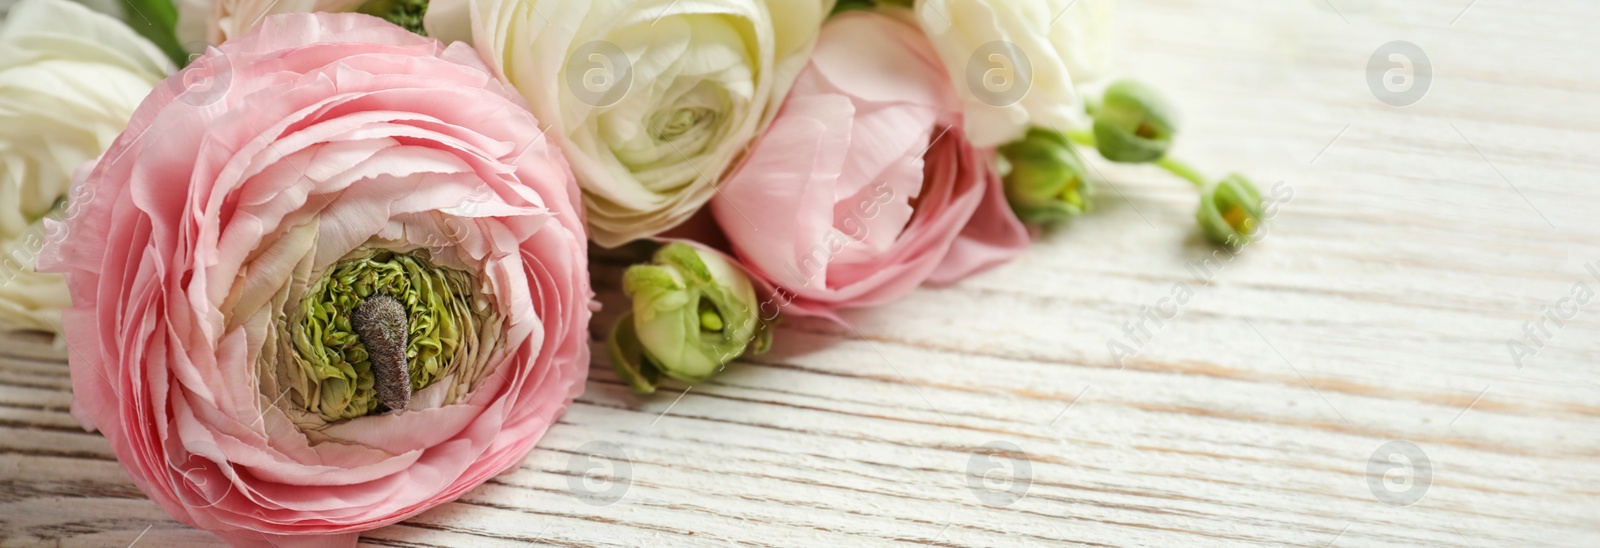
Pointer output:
1085, 137
1184, 170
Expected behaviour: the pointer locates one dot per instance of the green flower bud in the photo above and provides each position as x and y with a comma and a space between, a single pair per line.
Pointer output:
693, 312
1045, 178
1133, 123
1230, 211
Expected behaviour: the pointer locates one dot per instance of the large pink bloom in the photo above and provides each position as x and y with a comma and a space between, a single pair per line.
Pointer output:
242, 184
865, 187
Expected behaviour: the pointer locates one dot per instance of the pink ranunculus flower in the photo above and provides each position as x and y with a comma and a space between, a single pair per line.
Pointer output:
333, 275
865, 186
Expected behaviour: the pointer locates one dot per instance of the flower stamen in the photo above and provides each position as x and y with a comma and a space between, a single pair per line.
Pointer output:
709, 319
381, 325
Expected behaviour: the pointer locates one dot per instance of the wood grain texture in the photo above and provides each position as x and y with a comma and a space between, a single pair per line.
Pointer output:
1418, 241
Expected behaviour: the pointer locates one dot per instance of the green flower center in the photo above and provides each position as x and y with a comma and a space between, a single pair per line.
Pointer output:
670, 125
337, 376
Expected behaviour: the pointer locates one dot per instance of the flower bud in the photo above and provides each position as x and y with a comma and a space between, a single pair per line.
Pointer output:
1230, 211
1045, 178
1133, 123
693, 312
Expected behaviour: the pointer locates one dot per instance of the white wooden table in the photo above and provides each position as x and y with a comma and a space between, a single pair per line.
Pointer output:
1419, 240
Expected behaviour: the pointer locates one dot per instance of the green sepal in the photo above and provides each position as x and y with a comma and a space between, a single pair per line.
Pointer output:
687, 260
763, 341
628, 357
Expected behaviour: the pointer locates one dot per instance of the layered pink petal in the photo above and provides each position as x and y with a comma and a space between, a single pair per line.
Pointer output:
275, 156
865, 187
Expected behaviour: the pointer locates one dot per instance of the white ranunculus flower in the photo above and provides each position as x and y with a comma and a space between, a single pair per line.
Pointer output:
652, 100
1015, 61
70, 79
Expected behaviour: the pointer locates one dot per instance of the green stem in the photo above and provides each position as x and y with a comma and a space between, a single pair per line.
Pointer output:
1085, 138
1184, 170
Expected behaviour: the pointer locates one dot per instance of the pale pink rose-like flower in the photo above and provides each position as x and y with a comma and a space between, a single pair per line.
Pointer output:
261, 198
865, 186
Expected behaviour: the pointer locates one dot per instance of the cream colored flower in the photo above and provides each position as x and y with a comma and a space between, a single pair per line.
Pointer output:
652, 101
70, 79
1015, 62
